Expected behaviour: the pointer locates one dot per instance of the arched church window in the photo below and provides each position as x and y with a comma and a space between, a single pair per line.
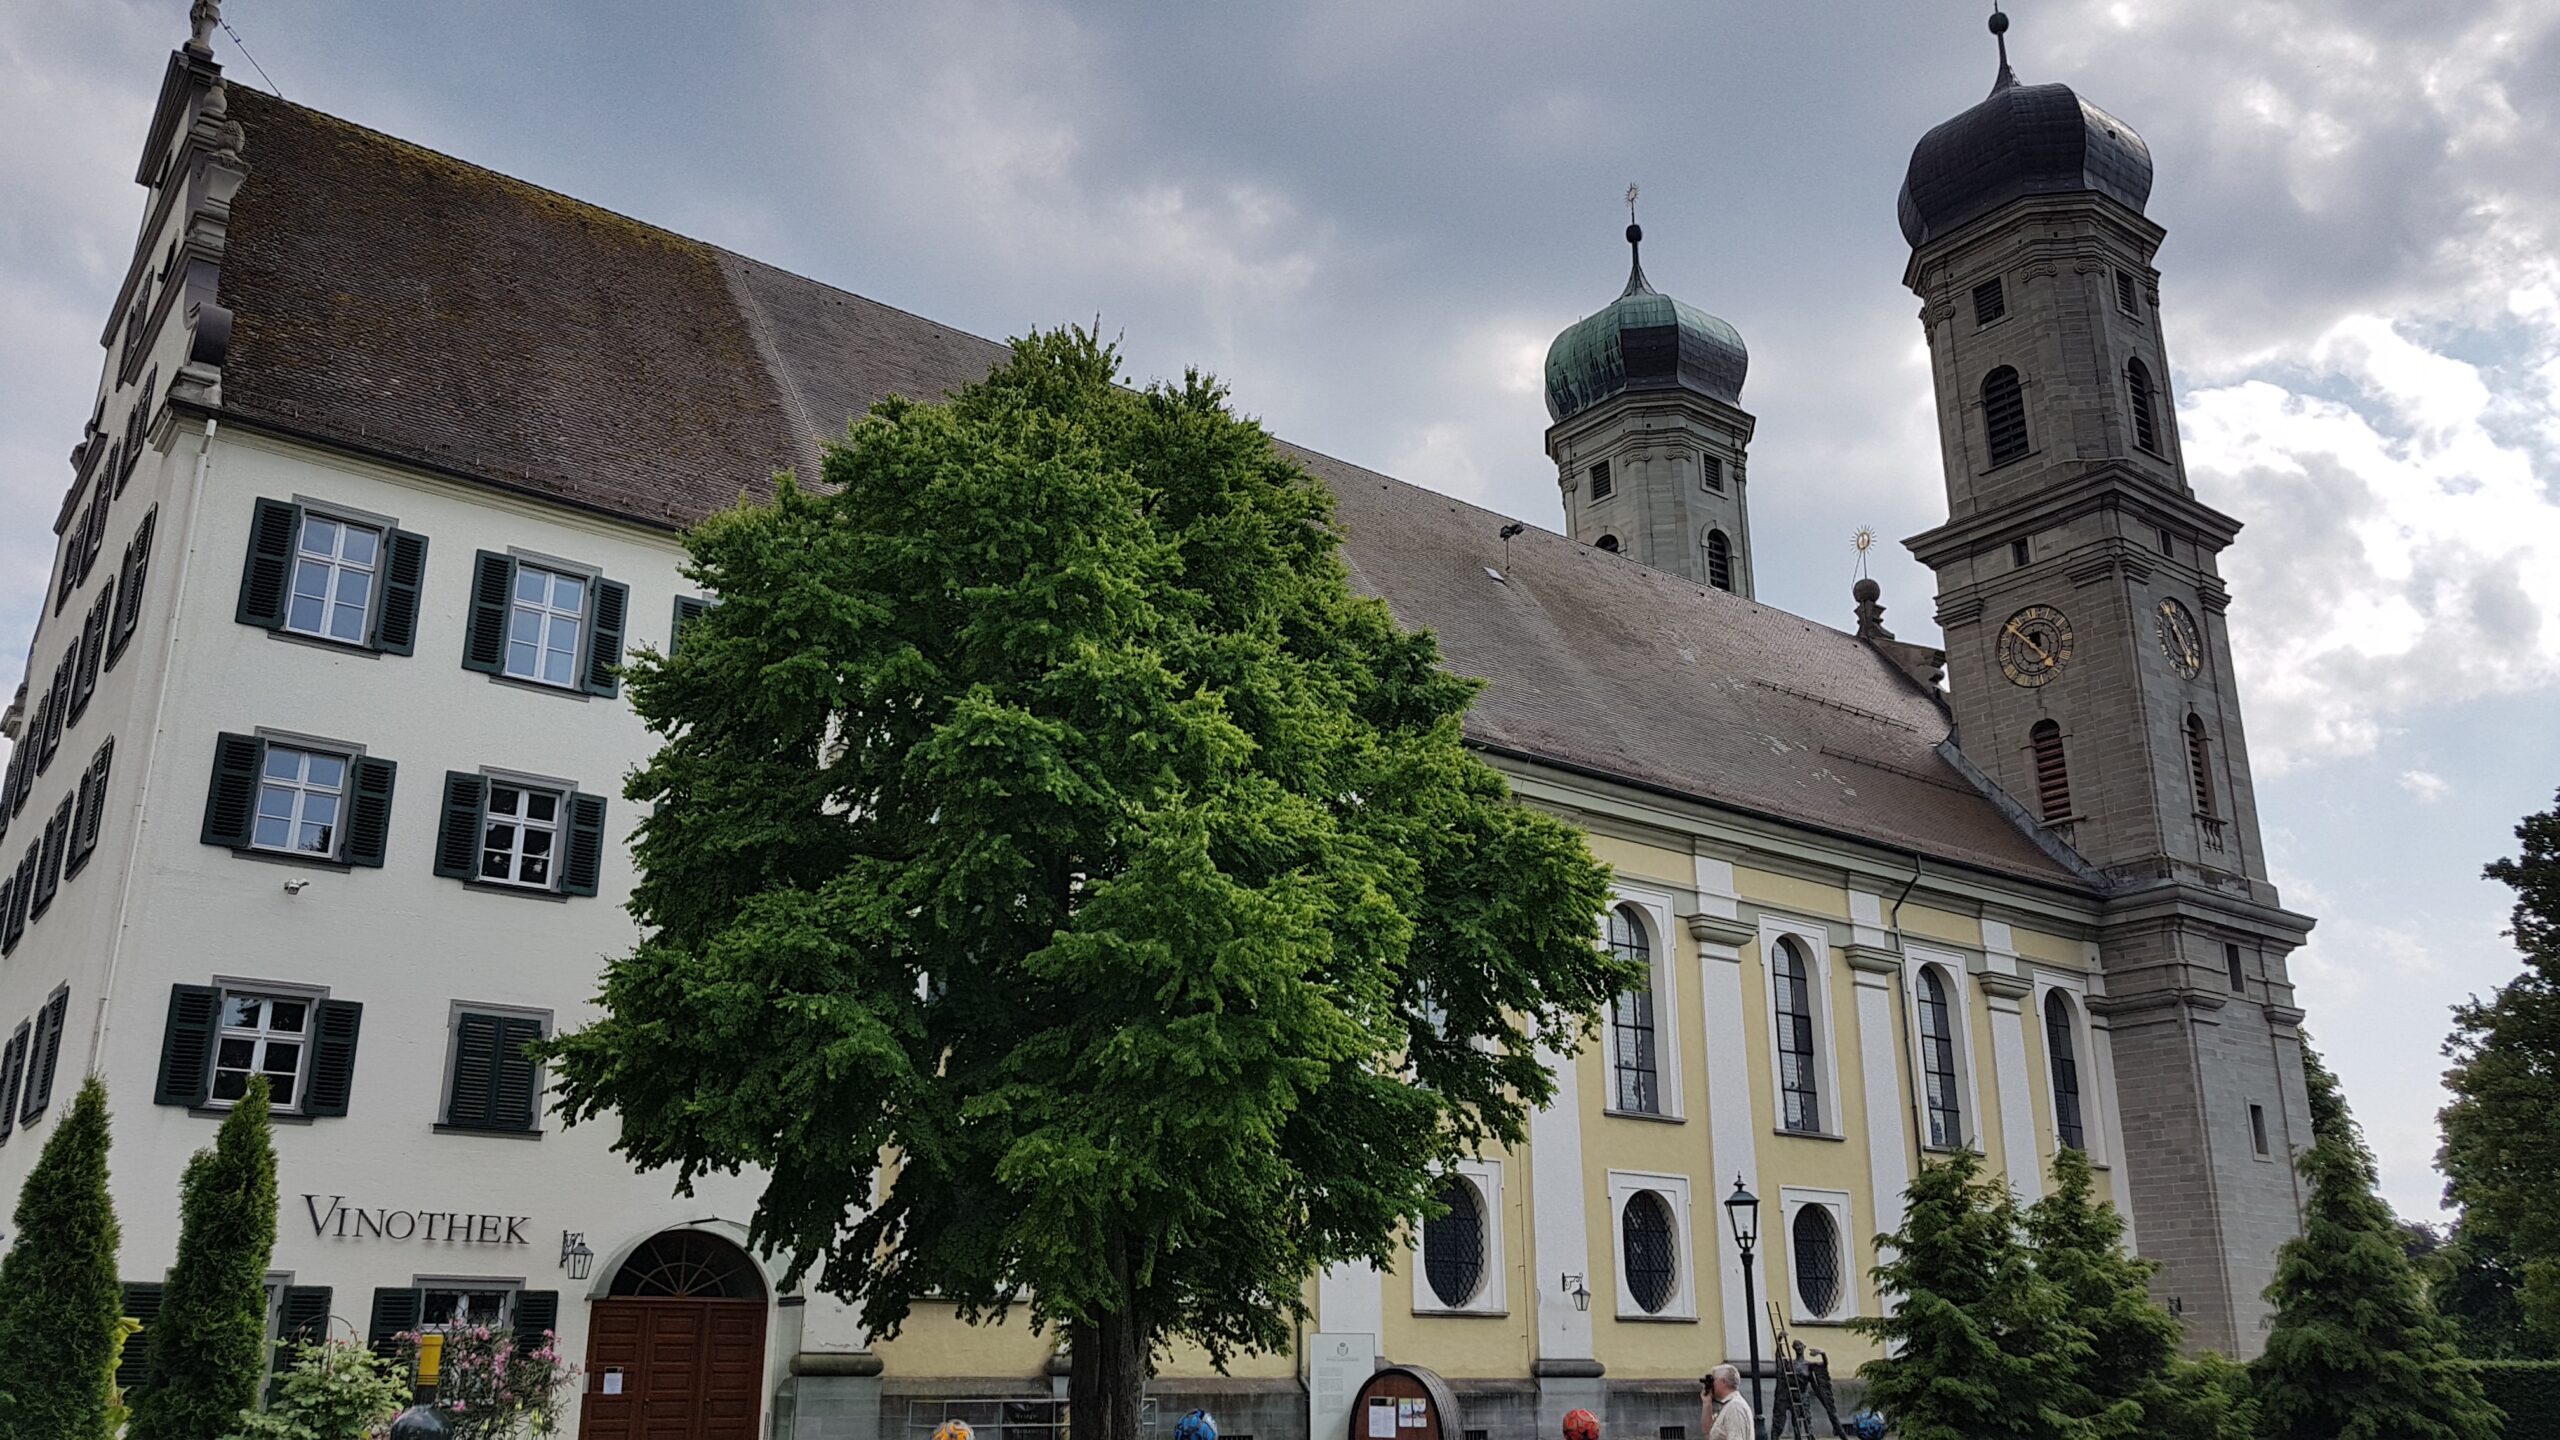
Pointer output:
1719, 560
2053, 778
1635, 1077
2061, 1058
2200, 763
2137, 390
1608, 543
1799, 1097
2004, 416
1938, 1061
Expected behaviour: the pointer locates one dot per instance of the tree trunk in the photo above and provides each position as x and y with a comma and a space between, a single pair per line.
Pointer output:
1107, 1380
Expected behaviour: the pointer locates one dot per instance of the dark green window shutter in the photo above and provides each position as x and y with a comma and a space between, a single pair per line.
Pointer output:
306, 1315
369, 809
586, 845
689, 608
484, 641
84, 838
83, 800
186, 1045
608, 608
57, 707
333, 1057
9, 785
21, 895
477, 1041
8, 901
129, 593
466, 800
511, 1107
537, 1312
267, 578
93, 650
13, 1074
57, 838
394, 1311
44, 1053
231, 804
141, 1302
404, 576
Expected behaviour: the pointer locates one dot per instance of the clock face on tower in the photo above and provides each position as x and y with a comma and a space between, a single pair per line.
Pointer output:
2179, 638
2034, 645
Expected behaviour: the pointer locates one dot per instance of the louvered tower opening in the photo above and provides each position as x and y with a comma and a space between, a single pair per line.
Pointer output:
2053, 778
2004, 416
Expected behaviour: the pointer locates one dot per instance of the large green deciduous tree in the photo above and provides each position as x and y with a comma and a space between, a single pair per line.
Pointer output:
60, 1303
2356, 1352
1065, 890
208, 1344
2502, 1129
1982, 1346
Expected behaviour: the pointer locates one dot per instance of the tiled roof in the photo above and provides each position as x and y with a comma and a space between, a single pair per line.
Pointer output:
424, 309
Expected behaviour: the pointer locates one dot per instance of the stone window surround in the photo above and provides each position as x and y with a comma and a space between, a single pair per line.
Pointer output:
1795, 1198
1954, 971
1814, 938
1654, 908
1673, 1190
1492, 1296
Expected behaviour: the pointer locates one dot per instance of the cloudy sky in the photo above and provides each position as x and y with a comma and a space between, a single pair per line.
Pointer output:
1372, 218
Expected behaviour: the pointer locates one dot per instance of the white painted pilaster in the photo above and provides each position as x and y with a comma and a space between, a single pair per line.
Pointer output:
1874, 970
2009, 1077
1560, 1239
1731, 1133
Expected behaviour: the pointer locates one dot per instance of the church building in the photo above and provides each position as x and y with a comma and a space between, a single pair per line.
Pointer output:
317, 775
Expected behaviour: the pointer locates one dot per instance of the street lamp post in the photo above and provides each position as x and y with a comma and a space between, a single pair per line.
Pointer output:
1742, 1211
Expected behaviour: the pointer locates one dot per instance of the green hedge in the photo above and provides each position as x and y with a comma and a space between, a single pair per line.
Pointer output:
2528, 1390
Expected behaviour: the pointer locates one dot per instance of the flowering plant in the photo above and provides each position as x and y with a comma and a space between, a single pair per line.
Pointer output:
492, 1384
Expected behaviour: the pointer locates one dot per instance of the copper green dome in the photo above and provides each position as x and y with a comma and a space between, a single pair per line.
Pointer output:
1645, 340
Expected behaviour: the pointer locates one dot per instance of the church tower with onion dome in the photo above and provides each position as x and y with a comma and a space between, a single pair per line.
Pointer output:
1650, 436
2089, 666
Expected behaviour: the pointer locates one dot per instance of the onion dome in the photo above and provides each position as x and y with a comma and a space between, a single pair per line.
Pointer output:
1645, 340
2021, 140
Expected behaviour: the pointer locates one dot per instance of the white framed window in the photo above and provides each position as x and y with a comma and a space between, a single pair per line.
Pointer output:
1822, 1255
1804, 1063
444, 1304
1458, 1266
263, 1033
302, 795
1644, 1025
336, 565
520, 835
1649, 1225
1942, 1039
546, 618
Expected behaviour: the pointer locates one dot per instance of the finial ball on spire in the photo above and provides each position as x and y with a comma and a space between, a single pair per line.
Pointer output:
1999, 23
1635, 234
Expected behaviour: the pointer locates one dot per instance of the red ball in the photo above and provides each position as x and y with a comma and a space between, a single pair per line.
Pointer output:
1581, 1425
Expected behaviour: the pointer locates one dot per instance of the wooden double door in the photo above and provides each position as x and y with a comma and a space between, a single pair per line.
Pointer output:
673, 1369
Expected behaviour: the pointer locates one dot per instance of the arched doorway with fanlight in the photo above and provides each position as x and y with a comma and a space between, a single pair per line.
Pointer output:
675, 1345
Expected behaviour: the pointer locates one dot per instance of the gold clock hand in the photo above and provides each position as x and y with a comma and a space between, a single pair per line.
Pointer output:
2023, 639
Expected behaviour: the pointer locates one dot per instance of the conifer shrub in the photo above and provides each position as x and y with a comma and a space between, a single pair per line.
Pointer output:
208, 1346
60, 1304
2528, 1391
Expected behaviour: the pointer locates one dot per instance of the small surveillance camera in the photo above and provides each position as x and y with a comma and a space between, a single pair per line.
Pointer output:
294, 887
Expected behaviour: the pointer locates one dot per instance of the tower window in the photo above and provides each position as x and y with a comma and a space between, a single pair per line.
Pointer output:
1711, 473
1719, 560
1602, 486
1990, 302
2125, 295
2063, 1062
2258, 1130
2168, 545
2137, 391
2018, 554
2231, 963
2053, 780
1938, 1062
2200, 764
2004, 416
1608, 543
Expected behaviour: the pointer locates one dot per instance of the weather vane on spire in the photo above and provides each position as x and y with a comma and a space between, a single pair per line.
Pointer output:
1631, 202
1863, 539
